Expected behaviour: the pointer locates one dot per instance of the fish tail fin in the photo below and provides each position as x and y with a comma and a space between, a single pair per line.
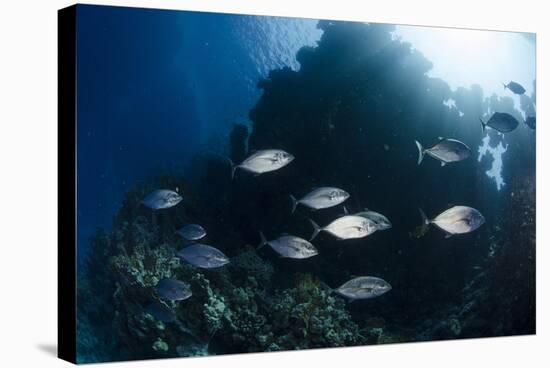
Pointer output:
294, 203
425, 222
482, 125
420, 152
329, 289
233, 167
316, 229
263, 240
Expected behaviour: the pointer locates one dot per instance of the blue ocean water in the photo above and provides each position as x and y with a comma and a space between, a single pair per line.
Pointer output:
157, 85
167, 98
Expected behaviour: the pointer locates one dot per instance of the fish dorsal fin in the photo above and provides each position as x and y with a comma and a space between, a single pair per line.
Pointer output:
441, 138
443, 163
366, 209
346, 212
448, 235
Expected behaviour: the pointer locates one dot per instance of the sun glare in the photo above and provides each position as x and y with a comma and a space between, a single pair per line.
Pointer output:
464, 57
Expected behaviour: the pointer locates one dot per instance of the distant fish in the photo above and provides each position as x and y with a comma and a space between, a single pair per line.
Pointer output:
192, 232
455, 220
514, 87
289, 246
171, 289
320, 198
203, 256
264, 161
500, 121
531, 122
346, 227
419, 231
161, 199
446, 150
381, 221
364, 287
160, 311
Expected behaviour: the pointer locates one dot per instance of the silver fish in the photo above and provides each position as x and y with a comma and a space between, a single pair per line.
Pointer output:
364, 287
514, 87
381, 221
192, 232
446, 150
161, 199
172, 289
346, 227
160, 311
203, 256
455, 220
264, 161
320, 198
500, 121
289, 246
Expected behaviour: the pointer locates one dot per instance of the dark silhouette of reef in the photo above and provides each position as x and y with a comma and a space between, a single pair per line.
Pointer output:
350, 116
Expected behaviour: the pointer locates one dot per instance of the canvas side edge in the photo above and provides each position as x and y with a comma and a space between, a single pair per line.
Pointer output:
66, 159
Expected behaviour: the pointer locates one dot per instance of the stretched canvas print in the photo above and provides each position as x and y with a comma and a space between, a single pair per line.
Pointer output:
241, 183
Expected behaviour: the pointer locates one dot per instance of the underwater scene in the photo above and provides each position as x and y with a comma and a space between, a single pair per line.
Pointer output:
257, 184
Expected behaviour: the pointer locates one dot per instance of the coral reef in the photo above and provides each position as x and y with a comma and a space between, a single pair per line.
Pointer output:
234, 309
308, 316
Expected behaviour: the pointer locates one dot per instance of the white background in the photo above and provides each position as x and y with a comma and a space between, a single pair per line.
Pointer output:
28, 182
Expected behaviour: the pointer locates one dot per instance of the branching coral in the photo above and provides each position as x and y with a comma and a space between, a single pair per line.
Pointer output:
145, 266
313, 316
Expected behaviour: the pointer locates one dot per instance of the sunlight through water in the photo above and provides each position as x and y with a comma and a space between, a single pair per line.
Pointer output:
495, 172
463, 57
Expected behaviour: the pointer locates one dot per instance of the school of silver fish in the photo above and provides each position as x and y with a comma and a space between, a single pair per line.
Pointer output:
453, 221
